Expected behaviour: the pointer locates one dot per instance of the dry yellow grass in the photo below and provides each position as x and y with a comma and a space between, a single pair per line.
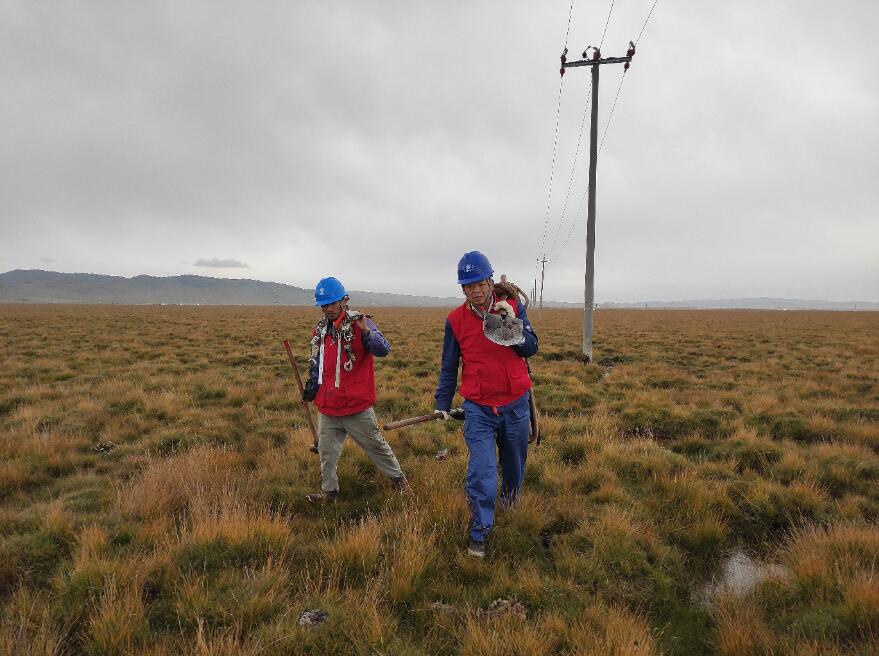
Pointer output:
27, 627
742, 630
693, 435
354, 549
119, 624
412, 552
168, 487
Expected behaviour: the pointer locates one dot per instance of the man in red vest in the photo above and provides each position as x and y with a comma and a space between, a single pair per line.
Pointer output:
342, 385
492, 338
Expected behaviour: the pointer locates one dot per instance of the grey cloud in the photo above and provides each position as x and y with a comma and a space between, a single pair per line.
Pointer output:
380, 144
217, 263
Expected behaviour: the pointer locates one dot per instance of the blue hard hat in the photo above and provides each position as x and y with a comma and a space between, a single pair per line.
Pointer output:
473, 267
328, 290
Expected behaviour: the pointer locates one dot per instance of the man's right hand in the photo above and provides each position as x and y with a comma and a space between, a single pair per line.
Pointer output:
310, 391
445, 416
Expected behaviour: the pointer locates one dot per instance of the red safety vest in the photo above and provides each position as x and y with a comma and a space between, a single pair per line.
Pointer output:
492, 374
356, 391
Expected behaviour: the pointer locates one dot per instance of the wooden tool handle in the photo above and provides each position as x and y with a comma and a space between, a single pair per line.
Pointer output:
301, 393
414, 420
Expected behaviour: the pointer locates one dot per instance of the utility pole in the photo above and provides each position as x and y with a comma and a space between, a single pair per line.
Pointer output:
542, 271
589, 292
534, 297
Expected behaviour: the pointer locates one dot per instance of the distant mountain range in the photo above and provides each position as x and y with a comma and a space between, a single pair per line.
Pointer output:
37, 286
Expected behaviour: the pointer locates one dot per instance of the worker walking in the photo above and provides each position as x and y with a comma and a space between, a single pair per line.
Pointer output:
492, 338
342, 385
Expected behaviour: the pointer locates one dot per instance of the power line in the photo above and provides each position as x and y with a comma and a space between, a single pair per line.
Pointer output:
561, 223
561, 248
573, 171
573, 225
606, 23
556, 137
612, 108
646, 20
623, 76
577, 215
551, 170
575, 222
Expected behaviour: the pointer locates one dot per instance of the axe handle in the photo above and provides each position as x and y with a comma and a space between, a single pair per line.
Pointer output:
454, 413
301, 393
414, 420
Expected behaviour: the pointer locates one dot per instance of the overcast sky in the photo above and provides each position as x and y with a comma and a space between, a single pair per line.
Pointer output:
379, 141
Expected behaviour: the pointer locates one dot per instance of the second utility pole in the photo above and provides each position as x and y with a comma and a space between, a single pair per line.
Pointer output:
589, 293
542, 271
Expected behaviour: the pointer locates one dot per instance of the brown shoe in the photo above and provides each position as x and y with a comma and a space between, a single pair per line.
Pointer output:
328, 496
401, 485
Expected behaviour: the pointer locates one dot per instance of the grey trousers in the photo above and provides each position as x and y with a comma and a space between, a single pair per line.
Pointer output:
363, 429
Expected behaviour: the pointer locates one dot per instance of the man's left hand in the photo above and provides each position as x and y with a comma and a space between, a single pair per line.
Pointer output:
310, 391
364, 328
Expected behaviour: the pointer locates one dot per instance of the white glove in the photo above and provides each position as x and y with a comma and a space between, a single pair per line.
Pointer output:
445, 416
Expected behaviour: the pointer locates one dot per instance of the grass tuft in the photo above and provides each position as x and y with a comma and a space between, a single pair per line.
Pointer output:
412, 554
27, 626
741, 630
119, 624
355, 548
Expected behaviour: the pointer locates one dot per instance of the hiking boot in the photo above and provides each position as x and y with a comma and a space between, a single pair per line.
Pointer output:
328, 496
401, 485
476, 549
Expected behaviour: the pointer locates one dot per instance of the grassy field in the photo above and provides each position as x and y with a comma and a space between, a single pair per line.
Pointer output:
694, 436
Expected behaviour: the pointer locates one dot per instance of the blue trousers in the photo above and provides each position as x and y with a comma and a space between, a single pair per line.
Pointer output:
494, 434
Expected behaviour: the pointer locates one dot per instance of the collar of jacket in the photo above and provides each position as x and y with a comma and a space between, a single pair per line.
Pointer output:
479, 312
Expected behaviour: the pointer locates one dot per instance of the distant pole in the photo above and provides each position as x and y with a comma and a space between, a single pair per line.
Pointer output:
542, 271
589, 287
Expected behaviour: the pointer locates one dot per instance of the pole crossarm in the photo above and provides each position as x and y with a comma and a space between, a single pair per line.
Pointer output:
596, 62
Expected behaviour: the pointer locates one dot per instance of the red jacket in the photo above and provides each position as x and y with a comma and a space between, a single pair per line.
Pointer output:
356, 391
491, 374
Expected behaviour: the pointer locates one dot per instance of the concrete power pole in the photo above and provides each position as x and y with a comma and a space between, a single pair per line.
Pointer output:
589, 292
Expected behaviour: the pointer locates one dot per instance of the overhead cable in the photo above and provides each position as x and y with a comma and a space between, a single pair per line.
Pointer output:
561, 223
559, 250
556, 137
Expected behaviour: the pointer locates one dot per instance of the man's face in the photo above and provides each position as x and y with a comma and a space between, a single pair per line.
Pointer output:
333, 310
477, 293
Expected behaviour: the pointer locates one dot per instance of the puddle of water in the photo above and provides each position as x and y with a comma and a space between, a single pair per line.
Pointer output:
738, 576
